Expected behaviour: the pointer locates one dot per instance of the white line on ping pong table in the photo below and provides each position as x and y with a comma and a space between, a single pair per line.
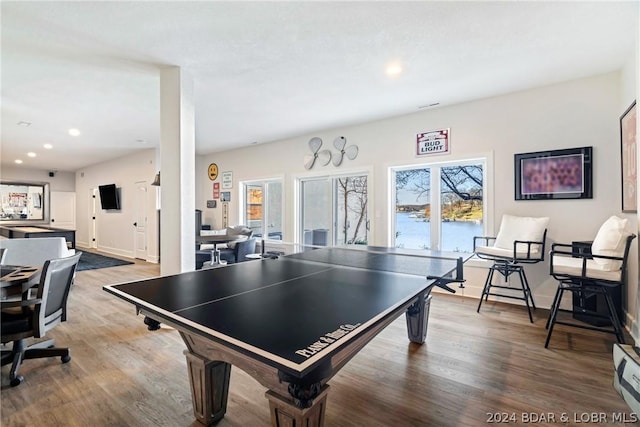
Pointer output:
255, 290
330, 266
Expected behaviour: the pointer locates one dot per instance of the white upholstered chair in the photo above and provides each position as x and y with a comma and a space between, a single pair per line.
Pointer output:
520, 241
588, 273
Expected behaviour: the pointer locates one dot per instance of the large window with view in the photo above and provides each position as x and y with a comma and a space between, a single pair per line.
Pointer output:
334, 210
263, 208
439, 206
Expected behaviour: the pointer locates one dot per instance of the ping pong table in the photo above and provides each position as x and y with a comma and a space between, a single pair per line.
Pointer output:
292, 322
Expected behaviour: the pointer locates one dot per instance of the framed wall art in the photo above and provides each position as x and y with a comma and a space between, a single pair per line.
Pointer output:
554, 174
629, 159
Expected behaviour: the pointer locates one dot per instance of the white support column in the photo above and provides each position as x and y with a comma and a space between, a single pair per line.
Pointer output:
177, 171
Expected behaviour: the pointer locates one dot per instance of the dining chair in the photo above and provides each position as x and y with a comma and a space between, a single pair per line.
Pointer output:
240, 251
229, 251
33, 316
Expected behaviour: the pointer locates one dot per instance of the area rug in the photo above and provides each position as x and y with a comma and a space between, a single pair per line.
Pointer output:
91, 261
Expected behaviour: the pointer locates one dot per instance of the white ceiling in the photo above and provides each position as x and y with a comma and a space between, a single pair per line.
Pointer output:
264, 71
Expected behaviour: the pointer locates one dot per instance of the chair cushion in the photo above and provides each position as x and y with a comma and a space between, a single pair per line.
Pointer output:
522, 228
610, 241
572, 266
505, 253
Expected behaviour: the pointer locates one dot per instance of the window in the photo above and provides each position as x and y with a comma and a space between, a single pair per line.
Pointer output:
334, 210
439, 206
23, 201
263, 208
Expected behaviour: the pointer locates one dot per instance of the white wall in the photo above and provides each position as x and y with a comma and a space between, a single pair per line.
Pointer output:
630, 91
578, 113
115, 229
61, 181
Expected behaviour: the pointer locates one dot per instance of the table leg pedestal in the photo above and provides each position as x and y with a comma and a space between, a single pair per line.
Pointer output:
417, 319
284, 413
209, 387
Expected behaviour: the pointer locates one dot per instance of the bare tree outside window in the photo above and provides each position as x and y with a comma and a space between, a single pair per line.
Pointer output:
352, 208
461, 206
461, 187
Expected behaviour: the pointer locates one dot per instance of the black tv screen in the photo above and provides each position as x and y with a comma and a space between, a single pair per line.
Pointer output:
109, 196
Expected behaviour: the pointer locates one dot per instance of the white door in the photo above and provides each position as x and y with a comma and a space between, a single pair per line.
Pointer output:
63, 210
140, 222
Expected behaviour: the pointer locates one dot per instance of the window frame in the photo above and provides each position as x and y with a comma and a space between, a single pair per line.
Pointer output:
244, 203
485, 159
332, 177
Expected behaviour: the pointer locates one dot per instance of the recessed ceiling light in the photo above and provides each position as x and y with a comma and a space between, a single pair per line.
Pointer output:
393, 69
25, 124
18, 161
31, 154
48, 146
74, 132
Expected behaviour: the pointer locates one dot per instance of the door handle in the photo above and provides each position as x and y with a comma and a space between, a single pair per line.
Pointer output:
135, 224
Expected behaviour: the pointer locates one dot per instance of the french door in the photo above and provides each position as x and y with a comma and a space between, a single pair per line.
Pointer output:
263, 208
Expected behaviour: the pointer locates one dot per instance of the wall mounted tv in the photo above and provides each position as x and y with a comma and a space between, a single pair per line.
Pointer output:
109, 197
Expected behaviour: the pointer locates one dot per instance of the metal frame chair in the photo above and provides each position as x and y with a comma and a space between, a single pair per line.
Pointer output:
578, 272
510, 260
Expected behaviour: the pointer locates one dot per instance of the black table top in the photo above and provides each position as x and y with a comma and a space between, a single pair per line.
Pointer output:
278, 309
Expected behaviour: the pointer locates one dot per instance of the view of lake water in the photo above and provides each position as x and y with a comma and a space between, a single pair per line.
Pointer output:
414, 233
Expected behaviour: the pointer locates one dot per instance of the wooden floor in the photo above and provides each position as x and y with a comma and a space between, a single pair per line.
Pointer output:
472, 365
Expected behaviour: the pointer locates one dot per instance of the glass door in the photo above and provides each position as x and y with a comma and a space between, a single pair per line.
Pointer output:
263, 209
254, 196
334, 210
316, 206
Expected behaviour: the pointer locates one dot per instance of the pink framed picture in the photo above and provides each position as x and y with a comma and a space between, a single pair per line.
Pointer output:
629, 159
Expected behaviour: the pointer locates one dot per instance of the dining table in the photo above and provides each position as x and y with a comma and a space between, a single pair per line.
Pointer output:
14, 279
215, 240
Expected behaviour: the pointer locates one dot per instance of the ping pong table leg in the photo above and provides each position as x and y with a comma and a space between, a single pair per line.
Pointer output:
286, 413
209, 387
417, 318
152, 325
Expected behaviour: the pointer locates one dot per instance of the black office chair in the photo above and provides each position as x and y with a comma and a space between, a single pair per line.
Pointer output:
239, 251
34, 316
520, 241
589, 272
